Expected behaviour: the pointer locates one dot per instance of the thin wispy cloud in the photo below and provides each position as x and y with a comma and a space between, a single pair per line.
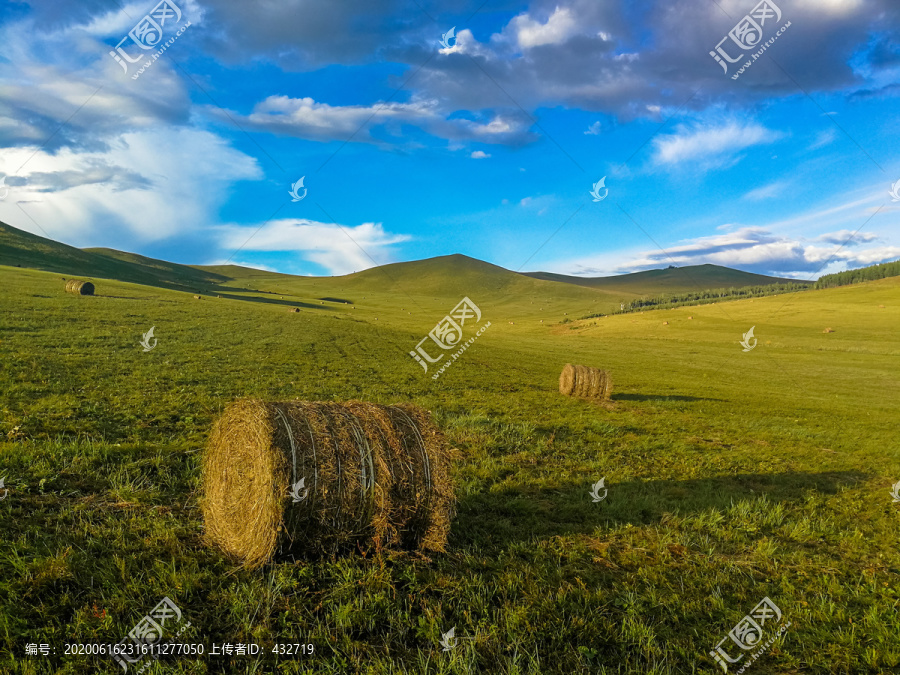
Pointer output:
823, 139
711, 144
764, 192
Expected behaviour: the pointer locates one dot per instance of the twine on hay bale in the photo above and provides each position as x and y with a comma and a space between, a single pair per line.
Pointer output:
585, 382
79, 287
373, 474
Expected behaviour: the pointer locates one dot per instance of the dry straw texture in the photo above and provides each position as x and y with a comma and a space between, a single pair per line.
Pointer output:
373, 474
585, 382
79, 287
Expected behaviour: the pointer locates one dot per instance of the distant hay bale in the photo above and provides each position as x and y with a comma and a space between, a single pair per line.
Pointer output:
198, 297
828, 330
372, 474
585, 382
294, 309
665, 323
79, 287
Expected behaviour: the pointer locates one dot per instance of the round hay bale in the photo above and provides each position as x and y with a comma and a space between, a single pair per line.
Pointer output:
198, 297
78, 287
585, 382
828, 330
371, 474
294, 309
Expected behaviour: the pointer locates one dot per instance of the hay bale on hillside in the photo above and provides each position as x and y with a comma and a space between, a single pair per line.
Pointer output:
198, 297
294, 309
359, 473
585, 382
79, 287
828, 330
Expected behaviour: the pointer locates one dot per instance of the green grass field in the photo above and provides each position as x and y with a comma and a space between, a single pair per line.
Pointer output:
732, 475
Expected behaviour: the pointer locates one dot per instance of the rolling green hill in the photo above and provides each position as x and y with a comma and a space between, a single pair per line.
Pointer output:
422, 282
23, 249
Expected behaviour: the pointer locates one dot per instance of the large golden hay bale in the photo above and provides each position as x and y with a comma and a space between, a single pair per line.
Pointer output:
79, 287
585, 382
371, 473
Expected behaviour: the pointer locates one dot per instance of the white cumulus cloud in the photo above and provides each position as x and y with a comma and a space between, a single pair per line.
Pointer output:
339, 249
531, 33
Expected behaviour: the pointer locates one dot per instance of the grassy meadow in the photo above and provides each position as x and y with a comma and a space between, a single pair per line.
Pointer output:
731, 475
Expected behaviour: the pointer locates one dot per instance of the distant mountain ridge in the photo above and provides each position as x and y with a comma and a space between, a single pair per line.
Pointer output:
451, 275
672, 279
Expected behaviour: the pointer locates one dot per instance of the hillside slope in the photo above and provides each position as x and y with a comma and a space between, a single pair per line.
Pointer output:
431, 283
23, 249
436, 285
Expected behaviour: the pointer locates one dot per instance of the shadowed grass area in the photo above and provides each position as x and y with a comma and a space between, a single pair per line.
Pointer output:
731, 477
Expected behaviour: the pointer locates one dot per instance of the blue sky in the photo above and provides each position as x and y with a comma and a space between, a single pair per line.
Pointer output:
488, 146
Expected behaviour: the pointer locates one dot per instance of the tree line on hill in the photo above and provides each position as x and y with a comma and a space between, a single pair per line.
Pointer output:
882, 271
705, 297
